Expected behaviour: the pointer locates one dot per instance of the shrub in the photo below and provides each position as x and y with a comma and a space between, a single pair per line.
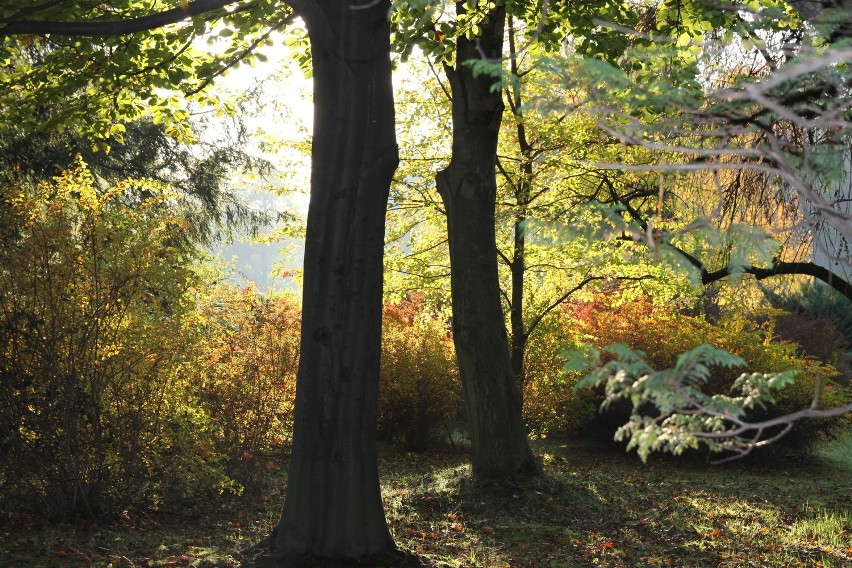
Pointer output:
816, 300
419, 390
820, 322
550, 405
663, 335
246, 382
93, 343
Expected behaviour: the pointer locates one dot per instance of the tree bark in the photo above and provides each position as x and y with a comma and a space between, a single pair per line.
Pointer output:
468, 189
333, 506
522, 190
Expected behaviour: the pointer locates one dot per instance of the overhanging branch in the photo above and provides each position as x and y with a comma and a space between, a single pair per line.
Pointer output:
14, 26
778, 268
781, 268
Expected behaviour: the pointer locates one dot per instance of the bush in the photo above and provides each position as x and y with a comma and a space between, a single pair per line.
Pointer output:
820, 322
663, 335
246, 384
818, 301
551, 407
419, 390
93, 345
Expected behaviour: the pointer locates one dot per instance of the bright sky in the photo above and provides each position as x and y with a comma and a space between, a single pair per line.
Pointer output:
281, 119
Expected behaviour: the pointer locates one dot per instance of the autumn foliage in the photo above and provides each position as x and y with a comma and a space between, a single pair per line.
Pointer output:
125, 380
247, 365
662, 333
420, 395
93, 294
132, 375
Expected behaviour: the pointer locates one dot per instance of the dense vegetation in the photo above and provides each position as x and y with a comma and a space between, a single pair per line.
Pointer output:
623, 221
133, 380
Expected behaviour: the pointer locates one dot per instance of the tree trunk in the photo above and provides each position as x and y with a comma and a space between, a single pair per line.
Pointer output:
333, 506
522, 187
518, 269
468, 188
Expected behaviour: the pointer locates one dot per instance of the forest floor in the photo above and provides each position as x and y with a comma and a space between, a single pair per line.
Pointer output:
602, 508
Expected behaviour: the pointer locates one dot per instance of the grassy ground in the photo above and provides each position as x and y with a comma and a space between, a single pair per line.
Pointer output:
608, 510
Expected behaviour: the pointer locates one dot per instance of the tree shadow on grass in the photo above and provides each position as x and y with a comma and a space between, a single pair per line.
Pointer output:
597, 507
582, 514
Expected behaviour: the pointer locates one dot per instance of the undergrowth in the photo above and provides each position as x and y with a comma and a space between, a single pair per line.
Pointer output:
598, 508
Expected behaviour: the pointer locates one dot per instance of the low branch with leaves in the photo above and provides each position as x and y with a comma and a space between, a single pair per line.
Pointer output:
671, 413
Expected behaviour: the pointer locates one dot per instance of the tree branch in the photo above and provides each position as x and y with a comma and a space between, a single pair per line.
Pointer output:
14, 26
778, 421
243, 54
537, 320
778, 267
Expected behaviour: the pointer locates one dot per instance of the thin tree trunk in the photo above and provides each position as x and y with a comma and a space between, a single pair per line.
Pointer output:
468, 189
522, 189
333, 506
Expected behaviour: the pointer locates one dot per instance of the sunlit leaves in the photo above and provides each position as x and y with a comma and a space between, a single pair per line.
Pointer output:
93, 301
105, 81
248, 354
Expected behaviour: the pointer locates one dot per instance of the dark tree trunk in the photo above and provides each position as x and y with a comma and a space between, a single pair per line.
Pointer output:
518, 269
468, 188
523, 191
333, 506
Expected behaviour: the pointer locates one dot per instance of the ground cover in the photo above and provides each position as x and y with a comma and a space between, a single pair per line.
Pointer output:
599, 508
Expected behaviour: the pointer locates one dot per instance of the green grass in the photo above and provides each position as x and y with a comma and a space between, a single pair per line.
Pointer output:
599, 508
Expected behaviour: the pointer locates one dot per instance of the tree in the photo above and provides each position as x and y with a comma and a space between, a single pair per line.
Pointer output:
333, 505
545, 183
768, 137
202, 172
468, 189
476, 40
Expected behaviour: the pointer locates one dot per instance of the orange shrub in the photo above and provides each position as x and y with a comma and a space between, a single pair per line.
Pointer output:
247, 376
419, 389
552, 406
